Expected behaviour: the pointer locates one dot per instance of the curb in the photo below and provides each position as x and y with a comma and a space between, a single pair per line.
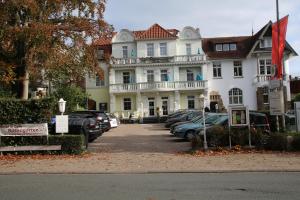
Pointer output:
152, 172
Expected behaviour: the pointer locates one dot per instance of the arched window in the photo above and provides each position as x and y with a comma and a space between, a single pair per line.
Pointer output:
235, 96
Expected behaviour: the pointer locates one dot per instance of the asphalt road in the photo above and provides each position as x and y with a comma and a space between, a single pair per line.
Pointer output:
151, 186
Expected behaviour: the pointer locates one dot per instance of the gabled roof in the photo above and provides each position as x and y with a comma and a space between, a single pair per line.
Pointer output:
156, 32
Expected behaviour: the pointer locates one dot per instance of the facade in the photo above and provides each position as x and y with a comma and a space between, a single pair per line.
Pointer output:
158, 71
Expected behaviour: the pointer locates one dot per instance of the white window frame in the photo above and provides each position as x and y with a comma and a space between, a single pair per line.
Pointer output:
266, 42
125, 51
163, 72
150, 49
267, 66
226, 47
150, 73
163, 49
127, 100
237, 69
188, 48
218, 67
235, 94
190, 73
266, 94
99, 82
232, 46
189, 100
126, 74
219, 47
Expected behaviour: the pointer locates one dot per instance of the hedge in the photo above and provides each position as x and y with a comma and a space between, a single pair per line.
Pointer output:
219, 137
15, 111
71, 144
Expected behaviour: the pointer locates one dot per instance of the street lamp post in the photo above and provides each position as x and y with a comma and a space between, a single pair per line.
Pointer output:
204, 125
62, 106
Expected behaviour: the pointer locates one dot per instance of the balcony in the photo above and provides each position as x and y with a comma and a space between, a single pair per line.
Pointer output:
158, 86
156, 60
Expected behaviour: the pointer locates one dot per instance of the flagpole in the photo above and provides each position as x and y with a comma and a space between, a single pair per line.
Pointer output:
279, 63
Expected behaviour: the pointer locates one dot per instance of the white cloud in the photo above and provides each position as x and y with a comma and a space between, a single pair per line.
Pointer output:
214, 17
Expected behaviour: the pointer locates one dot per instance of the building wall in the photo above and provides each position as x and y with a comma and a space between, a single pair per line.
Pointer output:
142, 48
100, 95
227, 82
196, 47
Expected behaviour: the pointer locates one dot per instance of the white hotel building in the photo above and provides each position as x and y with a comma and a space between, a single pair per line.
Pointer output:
165, 70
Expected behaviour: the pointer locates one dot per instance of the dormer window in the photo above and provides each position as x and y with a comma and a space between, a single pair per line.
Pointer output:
266, 43
226, 47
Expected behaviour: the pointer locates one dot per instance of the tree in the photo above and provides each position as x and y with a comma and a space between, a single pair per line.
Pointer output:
40, 38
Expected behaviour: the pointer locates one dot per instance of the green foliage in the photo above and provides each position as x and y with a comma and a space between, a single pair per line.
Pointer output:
217, 136
297, 97
275, 142
71, 144
73, 95
295, 145
14, 111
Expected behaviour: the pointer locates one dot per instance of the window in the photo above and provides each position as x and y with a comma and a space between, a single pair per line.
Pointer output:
265, 66
127, 103
191, 102
233, 47
219, 47
189, 75
163, 75
150, 76
100, 54
188, 48
225, 47
125, 51
237, 69
99, 82
266, 43
235, 96
266, 95
163, 49
150, 49
126, 77
217, 70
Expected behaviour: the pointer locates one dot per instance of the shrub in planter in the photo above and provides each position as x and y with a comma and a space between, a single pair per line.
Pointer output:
217, 136
70, 144
275, 142
295, 145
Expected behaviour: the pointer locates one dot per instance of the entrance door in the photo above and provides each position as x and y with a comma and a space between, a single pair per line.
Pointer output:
165, 105
151, 106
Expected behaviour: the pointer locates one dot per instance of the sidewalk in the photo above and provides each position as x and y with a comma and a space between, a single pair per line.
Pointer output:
146, 149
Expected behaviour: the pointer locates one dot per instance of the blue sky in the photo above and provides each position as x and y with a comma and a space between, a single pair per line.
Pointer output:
214, 17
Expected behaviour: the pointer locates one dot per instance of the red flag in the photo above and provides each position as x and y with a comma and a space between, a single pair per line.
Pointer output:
278, 45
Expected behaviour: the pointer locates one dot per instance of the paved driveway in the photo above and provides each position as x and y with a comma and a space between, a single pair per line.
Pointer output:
139, 138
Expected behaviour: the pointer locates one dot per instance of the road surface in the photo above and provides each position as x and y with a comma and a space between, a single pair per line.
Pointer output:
151, 186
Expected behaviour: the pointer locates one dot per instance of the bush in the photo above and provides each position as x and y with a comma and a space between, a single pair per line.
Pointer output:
275, 142
15, 111
217, 136
70, 144
295, 145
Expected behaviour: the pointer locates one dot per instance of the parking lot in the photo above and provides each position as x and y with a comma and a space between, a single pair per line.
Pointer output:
138, 138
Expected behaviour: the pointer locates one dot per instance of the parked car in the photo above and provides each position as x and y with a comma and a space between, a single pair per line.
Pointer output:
188, 130
100, 116
257, 121
114, 121
187, 116
80, 125
172, 127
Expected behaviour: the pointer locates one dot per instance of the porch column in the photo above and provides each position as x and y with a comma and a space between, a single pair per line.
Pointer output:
112, 76
112, 103
177, 101
158, 103
139, 103
176, 73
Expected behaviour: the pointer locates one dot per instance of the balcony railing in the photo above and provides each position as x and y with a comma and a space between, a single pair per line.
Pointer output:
263, 78
158, 86
152, 60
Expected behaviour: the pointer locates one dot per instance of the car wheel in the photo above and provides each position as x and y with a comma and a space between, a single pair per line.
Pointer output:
190, 135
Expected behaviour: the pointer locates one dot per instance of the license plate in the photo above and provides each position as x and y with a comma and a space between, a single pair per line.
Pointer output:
106, 120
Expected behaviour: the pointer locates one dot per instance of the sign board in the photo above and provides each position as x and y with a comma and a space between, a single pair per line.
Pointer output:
273, 84
24, 130
297, 114
239, 116
276, 102
62, 124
